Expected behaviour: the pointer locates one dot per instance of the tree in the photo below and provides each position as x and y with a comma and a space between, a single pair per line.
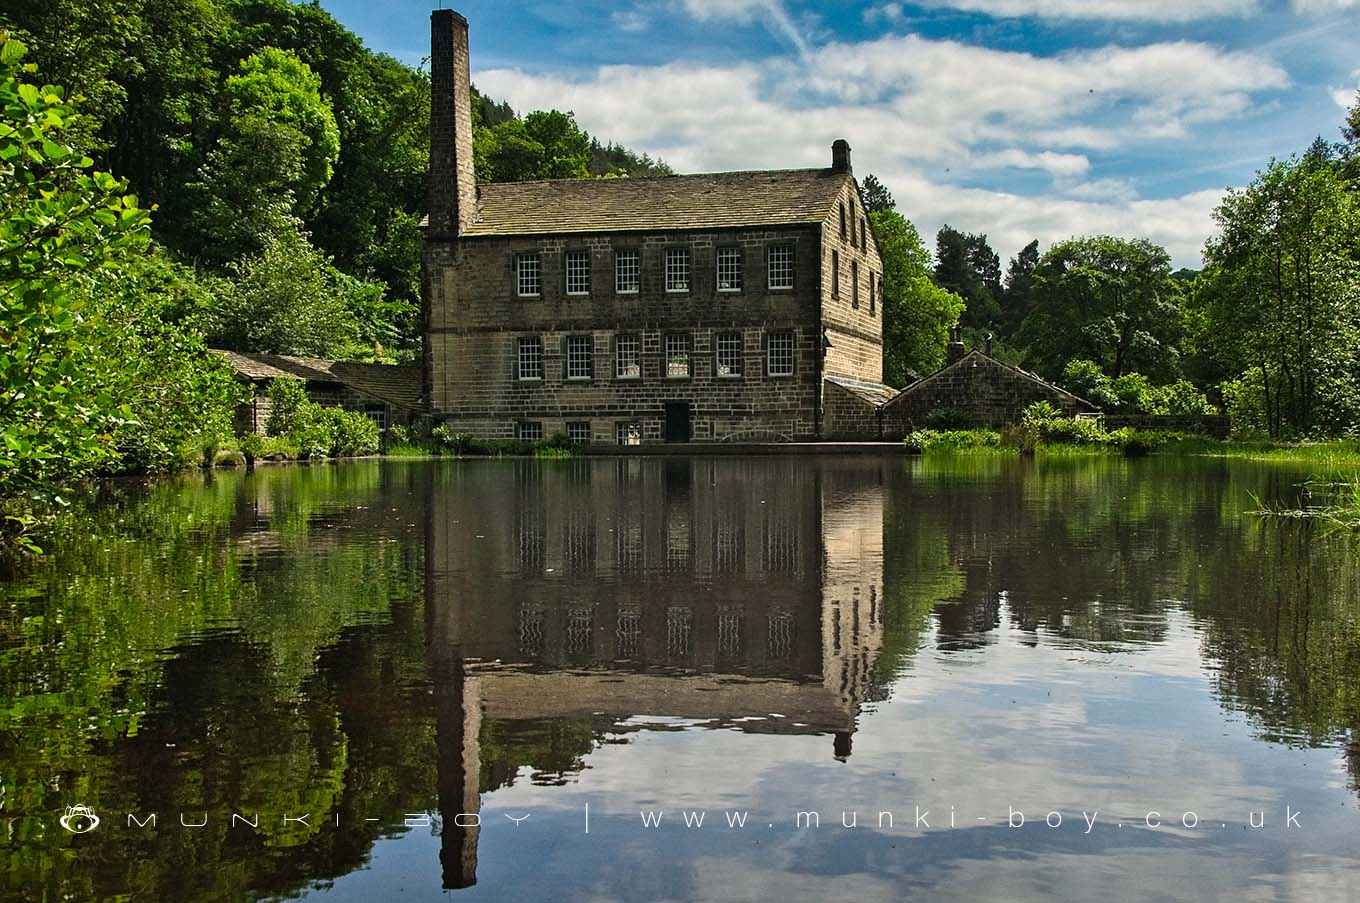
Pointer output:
1110, 300
967, 265
275, 154
877, 198
93, 378
60, 224
917, 313
1280, 295
1017, 295
290, 299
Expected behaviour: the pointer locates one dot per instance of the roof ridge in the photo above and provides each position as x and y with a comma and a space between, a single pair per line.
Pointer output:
672, 177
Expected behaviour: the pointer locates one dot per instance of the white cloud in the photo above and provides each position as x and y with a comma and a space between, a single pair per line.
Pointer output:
1058, 165
770, 12
1324, 6
922, 114
1345, 96
1112, 10
1180, 224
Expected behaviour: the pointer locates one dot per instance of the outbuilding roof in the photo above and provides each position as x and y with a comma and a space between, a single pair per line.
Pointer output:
387, 382
703, 201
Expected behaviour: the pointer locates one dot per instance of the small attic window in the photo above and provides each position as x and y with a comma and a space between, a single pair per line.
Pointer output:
842, 220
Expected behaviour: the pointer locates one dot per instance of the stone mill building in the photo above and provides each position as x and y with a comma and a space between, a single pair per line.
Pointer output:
738, 306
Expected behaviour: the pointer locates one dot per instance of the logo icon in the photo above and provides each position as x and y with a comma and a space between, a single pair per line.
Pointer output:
79, 819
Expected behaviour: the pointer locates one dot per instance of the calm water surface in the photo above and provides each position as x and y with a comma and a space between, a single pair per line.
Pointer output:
414, 681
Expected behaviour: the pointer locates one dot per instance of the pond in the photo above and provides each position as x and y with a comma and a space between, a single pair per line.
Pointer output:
687, 679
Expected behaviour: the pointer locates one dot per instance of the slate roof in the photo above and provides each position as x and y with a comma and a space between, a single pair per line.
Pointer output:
396, 385
974, 353
703, 201
874, 393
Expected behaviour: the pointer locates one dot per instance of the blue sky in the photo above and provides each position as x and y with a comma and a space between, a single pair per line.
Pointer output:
1018, 118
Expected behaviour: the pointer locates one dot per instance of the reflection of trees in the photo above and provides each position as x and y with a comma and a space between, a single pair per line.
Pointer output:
287, 707
1286, 638
1097, 551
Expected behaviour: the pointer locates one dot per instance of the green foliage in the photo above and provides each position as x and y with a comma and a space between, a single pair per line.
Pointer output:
917, 314
1105, 299
877, 198
1133, 394
60, 224
1181, 398
289, 299
967, 266
463, 445
286, 398
1086, 379
948, 419
353, 433
1280, 295
276, 150
930, 440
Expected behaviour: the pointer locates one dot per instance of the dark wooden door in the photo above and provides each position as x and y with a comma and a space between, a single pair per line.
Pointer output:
677, 428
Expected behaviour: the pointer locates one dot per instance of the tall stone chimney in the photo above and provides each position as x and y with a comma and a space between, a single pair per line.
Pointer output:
452, 194
840, 156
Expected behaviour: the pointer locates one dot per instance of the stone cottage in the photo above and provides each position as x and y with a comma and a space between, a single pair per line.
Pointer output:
386, 393
716, 307
982, 390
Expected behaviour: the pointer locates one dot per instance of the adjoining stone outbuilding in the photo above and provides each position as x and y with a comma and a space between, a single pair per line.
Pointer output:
389, 394
717, 307
980, 389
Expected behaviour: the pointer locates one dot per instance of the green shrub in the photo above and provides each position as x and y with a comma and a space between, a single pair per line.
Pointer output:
1088, 380
951, 440
1133, 394
353, 433
286, 398
312, 431
1182, 398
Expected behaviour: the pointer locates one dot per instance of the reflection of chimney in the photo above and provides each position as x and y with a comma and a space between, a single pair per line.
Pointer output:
840, 156
955, 349
458, 724
452, 196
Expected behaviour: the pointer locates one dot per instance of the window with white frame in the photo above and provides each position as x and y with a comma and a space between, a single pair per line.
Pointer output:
780, 260
628, 433
529, 430
627, 271
578, 431
728, 354
779, 353
528, 276
531, 358
677, 269
578, 272
627, 357
677, 356
854, 283
729, 269
580, 356
835, 274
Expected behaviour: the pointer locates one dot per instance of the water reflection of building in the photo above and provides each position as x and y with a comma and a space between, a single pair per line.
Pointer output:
728, 591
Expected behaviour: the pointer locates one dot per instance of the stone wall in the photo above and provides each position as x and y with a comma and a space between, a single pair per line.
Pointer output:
476, 319
846, 415
253, 415
852, 315
987, 391
1202, 424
